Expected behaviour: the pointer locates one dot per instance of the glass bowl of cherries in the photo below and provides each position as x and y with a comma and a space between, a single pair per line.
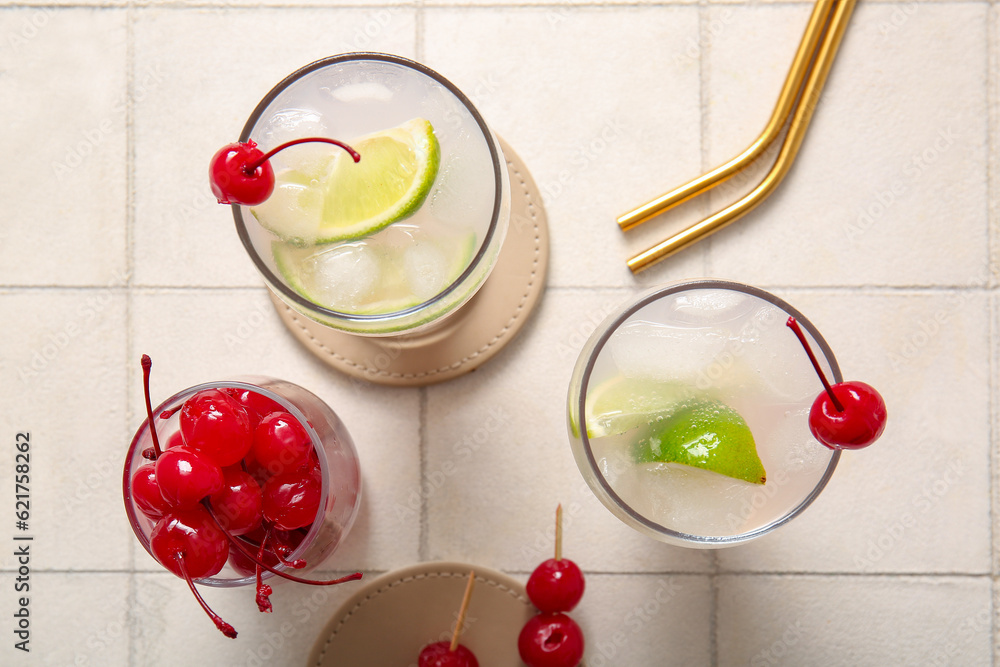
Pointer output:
236, 482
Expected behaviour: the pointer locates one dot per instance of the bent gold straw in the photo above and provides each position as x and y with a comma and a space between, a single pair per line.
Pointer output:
786, 99
793, 140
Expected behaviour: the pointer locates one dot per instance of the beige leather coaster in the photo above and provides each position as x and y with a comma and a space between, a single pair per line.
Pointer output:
471, 336
389, 620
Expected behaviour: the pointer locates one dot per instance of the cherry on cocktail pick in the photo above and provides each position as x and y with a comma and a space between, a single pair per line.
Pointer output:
452, 654
557, 584
241, 174
848, 415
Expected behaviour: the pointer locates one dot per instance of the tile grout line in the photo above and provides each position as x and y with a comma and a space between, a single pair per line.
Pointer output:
132, 594
418, 32
991, 93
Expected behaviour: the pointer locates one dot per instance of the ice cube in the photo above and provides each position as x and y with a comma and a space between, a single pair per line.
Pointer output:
710, 306
427, 269
343, 277
644, 349
691, 500
792, 447
290, 124
766, 345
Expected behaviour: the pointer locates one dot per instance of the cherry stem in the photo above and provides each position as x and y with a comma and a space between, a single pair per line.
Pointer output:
252, 167
223, 627
263, 590
794, 326
279, 548
460, 621
559, 532
147, 364
249, 555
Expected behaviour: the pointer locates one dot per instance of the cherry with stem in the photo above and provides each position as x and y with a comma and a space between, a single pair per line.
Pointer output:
250, 556
241, 174
848, 415
452, 654
223, 627
147, 364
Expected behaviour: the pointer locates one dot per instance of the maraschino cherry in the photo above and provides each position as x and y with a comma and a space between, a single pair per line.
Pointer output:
187, 543
557, 584
551, 640
241, 174
848, 415
451, 653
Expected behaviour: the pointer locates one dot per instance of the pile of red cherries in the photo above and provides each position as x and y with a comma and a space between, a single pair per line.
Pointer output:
239, 482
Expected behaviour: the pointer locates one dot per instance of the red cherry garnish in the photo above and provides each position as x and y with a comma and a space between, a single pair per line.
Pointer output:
234, 181
451, 653
241, 174
849, 415
257, 405
189, 544
557, 584
280, 443
291, 499
237, 504
216, 426
551, 640
185, 477
146, 492
439, 654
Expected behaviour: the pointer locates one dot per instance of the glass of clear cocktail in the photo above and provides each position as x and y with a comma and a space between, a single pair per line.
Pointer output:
689, 414
341, 244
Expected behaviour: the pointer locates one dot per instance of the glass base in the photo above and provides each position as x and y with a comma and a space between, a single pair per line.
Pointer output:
472, 335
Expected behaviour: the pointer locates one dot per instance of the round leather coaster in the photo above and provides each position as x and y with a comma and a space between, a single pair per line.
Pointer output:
469, 337
389, 620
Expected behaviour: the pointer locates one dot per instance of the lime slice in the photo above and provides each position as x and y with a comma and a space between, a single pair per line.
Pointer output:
335, 199
621, 404
394, 177
708, 435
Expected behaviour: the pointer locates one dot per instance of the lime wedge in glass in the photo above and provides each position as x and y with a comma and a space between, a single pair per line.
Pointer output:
621, 404
708, 435
337, 199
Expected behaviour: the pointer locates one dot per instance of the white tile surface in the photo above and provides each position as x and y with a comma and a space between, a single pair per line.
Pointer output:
65, 386
854, 621
64, 201
896, 148
609, 105
639, 123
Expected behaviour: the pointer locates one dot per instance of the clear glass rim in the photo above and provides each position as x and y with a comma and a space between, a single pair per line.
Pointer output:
291, 295
242, 383
605, 335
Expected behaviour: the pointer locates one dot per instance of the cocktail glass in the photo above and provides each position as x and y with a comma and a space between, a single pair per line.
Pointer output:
701, 342
403, 286
341, 476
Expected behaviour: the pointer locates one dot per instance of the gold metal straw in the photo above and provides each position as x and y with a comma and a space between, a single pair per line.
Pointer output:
786, 100
793, 140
